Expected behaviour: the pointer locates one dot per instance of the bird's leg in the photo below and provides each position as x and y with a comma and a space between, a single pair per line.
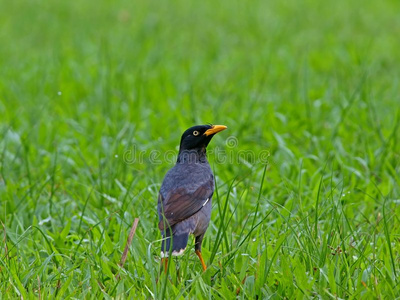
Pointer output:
197, 247
198, 253
164, 262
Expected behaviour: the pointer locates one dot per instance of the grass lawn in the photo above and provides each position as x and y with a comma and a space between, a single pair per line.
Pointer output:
94, 97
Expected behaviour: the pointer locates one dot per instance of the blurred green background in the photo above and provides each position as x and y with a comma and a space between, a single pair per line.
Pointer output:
314, 83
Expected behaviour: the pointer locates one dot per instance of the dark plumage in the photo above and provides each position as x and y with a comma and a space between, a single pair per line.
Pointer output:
184, 201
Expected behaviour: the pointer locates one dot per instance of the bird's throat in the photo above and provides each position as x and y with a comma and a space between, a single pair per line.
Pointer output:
198, 155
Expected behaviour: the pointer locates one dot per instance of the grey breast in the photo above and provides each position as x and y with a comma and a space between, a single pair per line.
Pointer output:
189, 176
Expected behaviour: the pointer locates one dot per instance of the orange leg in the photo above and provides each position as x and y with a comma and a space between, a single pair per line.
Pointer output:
164, 261
198, 253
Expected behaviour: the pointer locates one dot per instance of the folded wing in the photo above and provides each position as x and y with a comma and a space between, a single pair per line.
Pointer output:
180, 204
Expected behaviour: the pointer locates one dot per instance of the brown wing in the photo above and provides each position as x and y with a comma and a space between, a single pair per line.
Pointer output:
181, 204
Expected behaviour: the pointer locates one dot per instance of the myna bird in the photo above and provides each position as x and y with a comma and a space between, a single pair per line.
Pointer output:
184, 201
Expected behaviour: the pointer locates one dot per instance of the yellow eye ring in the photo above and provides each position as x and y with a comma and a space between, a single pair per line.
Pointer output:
195, 133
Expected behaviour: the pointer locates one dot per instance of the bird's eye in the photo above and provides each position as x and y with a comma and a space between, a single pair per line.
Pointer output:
195, 133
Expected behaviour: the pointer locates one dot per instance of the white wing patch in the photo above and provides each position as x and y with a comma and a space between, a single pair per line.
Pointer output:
206, 201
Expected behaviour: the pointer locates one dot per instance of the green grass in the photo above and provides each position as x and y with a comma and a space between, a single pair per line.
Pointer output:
93, 95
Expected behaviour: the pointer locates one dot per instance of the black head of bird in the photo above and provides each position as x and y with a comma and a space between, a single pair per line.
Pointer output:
198, 137
184, 201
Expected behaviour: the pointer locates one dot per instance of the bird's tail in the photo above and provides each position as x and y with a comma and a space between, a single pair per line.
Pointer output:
179, 243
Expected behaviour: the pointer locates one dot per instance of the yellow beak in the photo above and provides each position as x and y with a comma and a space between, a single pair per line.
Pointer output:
215, 129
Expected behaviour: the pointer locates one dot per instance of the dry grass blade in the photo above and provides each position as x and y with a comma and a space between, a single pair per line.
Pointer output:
39, 291
128, 243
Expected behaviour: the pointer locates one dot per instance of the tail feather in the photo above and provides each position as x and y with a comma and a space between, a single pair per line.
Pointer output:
179, 243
